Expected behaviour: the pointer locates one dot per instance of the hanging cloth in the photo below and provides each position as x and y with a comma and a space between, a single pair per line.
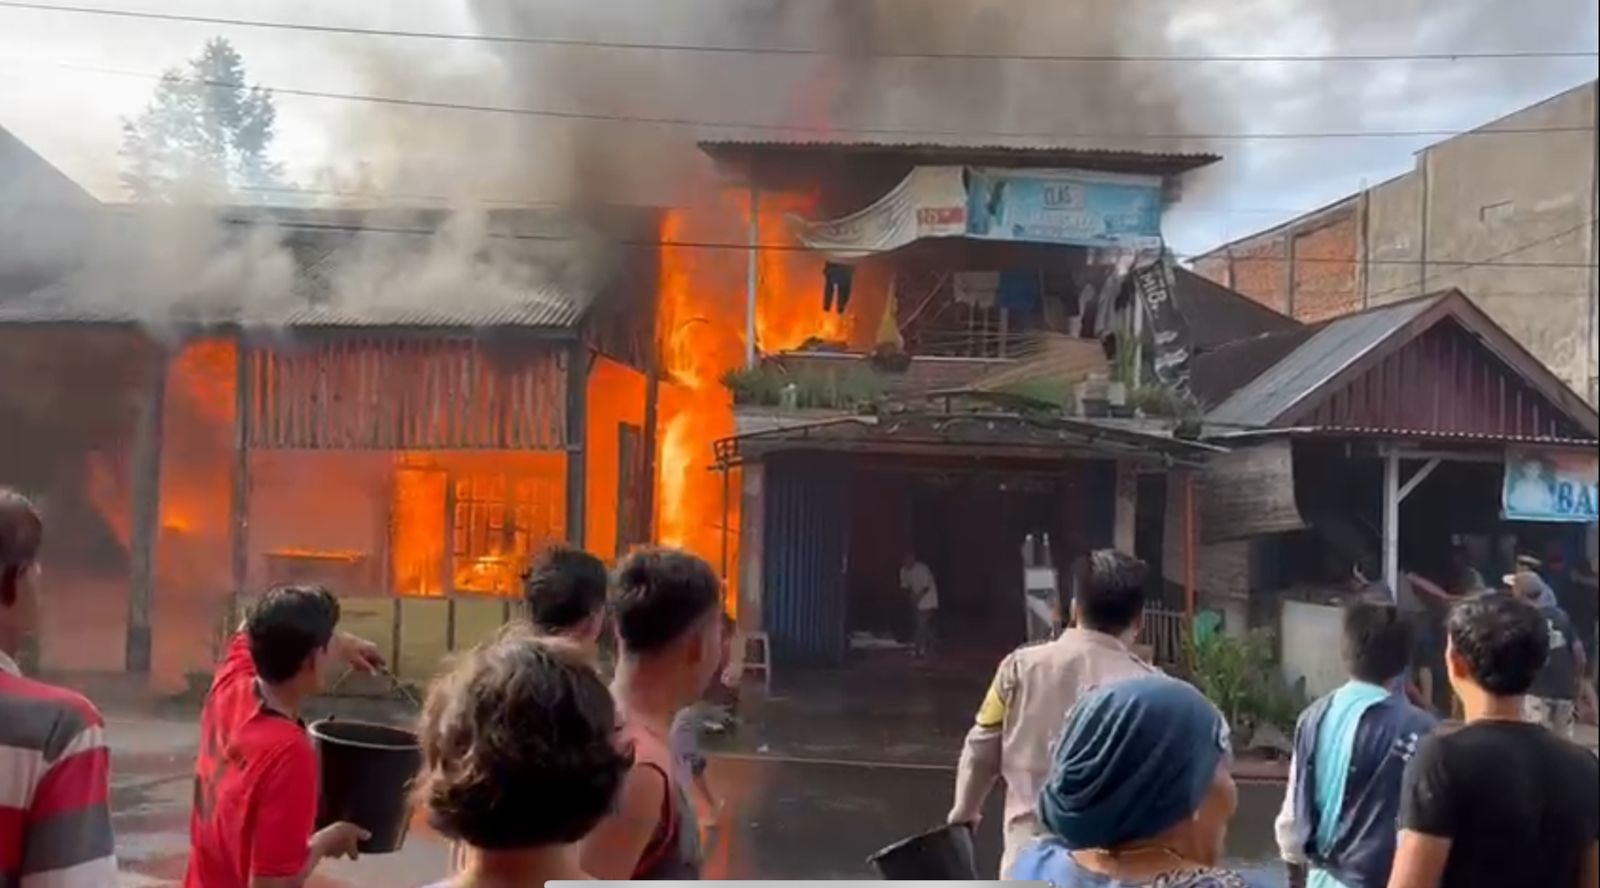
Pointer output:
837, 279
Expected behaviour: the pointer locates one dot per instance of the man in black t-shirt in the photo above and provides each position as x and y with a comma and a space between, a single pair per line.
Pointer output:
1498, 803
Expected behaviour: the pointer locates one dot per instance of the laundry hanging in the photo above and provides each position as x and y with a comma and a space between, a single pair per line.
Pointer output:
837, 279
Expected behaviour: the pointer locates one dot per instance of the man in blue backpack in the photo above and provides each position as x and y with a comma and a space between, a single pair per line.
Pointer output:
1338, 824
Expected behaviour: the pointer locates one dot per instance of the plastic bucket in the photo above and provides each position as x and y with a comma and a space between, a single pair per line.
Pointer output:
366, 779
944, 854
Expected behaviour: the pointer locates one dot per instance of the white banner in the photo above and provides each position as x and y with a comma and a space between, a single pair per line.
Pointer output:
930, 202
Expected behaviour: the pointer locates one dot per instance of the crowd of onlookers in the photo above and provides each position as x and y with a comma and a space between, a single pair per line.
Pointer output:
537, 767
1134, 788
531, 764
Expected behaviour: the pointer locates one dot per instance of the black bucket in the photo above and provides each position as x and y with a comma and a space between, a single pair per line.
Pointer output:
944, 854
366, 779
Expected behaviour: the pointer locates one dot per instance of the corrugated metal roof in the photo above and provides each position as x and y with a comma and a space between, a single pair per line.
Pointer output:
1230, 436
1332, 348
972, 154
511, 299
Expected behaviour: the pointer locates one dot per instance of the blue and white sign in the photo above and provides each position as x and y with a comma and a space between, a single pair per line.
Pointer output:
1551, 486
1073, 207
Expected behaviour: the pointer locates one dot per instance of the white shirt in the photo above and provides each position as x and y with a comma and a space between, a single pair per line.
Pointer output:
918, 579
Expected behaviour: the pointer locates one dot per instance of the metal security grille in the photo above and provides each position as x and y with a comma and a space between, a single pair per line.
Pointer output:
382, 394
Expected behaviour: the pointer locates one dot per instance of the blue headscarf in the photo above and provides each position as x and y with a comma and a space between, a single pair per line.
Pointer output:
1136, 758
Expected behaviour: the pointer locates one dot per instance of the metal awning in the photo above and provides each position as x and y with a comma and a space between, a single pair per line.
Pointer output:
986, 434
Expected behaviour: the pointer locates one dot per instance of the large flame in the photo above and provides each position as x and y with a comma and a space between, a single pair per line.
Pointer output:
701, 328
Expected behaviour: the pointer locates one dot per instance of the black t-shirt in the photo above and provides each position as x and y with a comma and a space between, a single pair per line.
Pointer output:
1558, 679
1520, 805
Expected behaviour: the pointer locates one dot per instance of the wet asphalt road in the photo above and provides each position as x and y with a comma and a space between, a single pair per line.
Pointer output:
804, 820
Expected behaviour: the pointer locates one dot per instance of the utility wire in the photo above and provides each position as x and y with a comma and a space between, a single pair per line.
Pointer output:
717, 49
598, 117
1455, 264
1492, 261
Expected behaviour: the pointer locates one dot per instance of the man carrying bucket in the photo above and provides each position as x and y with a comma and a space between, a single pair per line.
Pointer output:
255, 784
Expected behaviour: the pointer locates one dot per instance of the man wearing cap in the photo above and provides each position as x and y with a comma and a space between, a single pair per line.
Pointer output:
1550, 701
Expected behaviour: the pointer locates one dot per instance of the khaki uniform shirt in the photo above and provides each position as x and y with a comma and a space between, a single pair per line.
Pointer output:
1021, 719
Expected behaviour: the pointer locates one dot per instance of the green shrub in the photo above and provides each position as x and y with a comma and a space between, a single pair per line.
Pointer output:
842, 388
1240, 675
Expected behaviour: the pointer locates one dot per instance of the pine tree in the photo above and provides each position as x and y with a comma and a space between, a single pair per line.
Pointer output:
204, 135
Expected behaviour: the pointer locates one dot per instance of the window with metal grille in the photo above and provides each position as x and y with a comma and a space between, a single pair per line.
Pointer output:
498, 522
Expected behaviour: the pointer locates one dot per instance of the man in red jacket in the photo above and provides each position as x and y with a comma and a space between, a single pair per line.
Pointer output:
255, 783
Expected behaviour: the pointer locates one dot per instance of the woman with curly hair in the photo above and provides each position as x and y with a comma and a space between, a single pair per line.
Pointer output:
520, 759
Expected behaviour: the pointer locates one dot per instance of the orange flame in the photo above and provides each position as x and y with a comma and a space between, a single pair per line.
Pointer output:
701, 327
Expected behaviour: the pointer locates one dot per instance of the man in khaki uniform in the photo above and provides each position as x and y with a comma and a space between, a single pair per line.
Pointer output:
1034, 688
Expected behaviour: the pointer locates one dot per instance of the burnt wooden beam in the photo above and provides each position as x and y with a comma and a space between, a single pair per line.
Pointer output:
146, 513
239, 506
577, 474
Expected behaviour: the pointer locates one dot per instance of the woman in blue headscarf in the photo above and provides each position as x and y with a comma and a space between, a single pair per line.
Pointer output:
1139, 794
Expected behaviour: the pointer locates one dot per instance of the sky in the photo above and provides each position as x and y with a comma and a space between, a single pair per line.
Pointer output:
72, 78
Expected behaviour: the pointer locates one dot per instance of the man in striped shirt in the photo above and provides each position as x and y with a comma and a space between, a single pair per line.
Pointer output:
55, 815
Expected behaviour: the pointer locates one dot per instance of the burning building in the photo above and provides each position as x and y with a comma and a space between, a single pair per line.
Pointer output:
928, 330
411, 451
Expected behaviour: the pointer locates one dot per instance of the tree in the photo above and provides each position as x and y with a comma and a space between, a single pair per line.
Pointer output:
204, 133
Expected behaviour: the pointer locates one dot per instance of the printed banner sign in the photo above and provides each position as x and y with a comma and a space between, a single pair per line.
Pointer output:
1550, 485
1074, 207
1169, 330
929, 202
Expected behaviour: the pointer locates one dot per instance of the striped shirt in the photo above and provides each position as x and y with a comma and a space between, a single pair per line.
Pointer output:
55, 776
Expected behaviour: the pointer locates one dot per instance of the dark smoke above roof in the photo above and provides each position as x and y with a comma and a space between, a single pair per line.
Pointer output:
930, 153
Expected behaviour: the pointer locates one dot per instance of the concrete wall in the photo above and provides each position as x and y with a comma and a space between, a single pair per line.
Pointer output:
1506, 213
1521, 206
1393, 256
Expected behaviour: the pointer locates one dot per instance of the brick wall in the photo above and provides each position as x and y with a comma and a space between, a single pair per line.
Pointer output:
1326, 282
1325, 279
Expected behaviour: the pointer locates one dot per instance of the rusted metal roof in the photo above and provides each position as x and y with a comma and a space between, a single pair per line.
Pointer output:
1432, 366
992, 432
326, 257
1334, 347
931, 153
1234, 436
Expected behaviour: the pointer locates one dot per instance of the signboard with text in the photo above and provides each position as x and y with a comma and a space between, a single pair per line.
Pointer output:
1073, 207
1550, 485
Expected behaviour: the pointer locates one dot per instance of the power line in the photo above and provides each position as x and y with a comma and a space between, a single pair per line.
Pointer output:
1456, 265
529, 203
597, 117
1492, 261
716, 49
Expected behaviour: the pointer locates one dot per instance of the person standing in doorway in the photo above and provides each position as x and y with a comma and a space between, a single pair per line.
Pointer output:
1034, 688
1551, 699
55, 772
668, 610
1499, 802
255, 782
916, 580
1336, 828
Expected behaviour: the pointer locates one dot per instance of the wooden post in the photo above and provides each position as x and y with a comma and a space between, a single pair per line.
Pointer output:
752, 279
1391, 520
1124, 523
146, 514
1190, 540
646, 527
577, 476
239, 517
725, 504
